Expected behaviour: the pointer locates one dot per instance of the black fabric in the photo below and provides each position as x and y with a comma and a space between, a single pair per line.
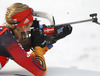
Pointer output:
4, 52
38, 39
5, 40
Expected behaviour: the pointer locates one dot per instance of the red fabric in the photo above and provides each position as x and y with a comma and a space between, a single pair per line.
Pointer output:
25, 17
3, 61
27, 50
3, 29
25, 60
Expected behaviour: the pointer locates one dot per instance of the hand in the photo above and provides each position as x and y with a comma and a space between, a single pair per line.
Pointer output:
38, 39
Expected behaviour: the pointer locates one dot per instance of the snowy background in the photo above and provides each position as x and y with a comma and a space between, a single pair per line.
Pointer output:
79, 50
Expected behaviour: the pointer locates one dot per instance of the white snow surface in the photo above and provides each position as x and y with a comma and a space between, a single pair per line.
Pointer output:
80, 49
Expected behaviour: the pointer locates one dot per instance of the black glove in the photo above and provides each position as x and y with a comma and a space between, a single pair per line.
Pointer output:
37, 39
61, 32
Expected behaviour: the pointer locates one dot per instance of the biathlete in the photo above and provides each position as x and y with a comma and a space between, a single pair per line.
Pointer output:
15, 42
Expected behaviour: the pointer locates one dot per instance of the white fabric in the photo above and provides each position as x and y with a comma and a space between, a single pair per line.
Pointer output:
0, 66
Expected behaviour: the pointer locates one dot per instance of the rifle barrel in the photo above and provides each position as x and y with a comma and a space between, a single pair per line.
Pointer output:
76, 22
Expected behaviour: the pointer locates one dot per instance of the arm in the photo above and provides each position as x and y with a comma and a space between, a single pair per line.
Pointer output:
21, 57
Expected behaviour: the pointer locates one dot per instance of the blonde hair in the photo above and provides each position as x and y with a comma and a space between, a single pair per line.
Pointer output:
12, 10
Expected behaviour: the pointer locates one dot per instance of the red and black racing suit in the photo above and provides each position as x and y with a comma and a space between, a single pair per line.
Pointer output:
35, 62
11, 48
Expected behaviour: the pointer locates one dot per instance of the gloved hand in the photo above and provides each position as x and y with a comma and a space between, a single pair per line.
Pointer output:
61, 32
38, 39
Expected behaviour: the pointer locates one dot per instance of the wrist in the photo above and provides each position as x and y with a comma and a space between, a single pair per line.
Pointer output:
49, 46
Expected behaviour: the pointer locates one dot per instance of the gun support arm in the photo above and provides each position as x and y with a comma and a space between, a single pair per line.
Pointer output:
93, 19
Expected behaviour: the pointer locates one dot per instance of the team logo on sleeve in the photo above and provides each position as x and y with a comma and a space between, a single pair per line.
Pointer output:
39, 62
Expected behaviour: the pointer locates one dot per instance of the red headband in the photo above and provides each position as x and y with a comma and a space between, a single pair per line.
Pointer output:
23, 18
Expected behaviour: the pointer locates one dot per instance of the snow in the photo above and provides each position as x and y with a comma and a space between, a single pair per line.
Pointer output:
81, 49
52, 71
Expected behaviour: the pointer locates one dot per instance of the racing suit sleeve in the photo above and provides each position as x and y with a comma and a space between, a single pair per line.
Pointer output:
36, 65
3, 61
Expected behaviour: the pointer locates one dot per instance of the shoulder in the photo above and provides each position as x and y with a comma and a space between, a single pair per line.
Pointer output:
3, 29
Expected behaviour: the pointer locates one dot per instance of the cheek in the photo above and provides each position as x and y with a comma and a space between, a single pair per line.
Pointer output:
21, 29
28, 28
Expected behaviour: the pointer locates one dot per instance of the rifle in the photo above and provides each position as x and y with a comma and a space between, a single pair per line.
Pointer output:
49, 31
